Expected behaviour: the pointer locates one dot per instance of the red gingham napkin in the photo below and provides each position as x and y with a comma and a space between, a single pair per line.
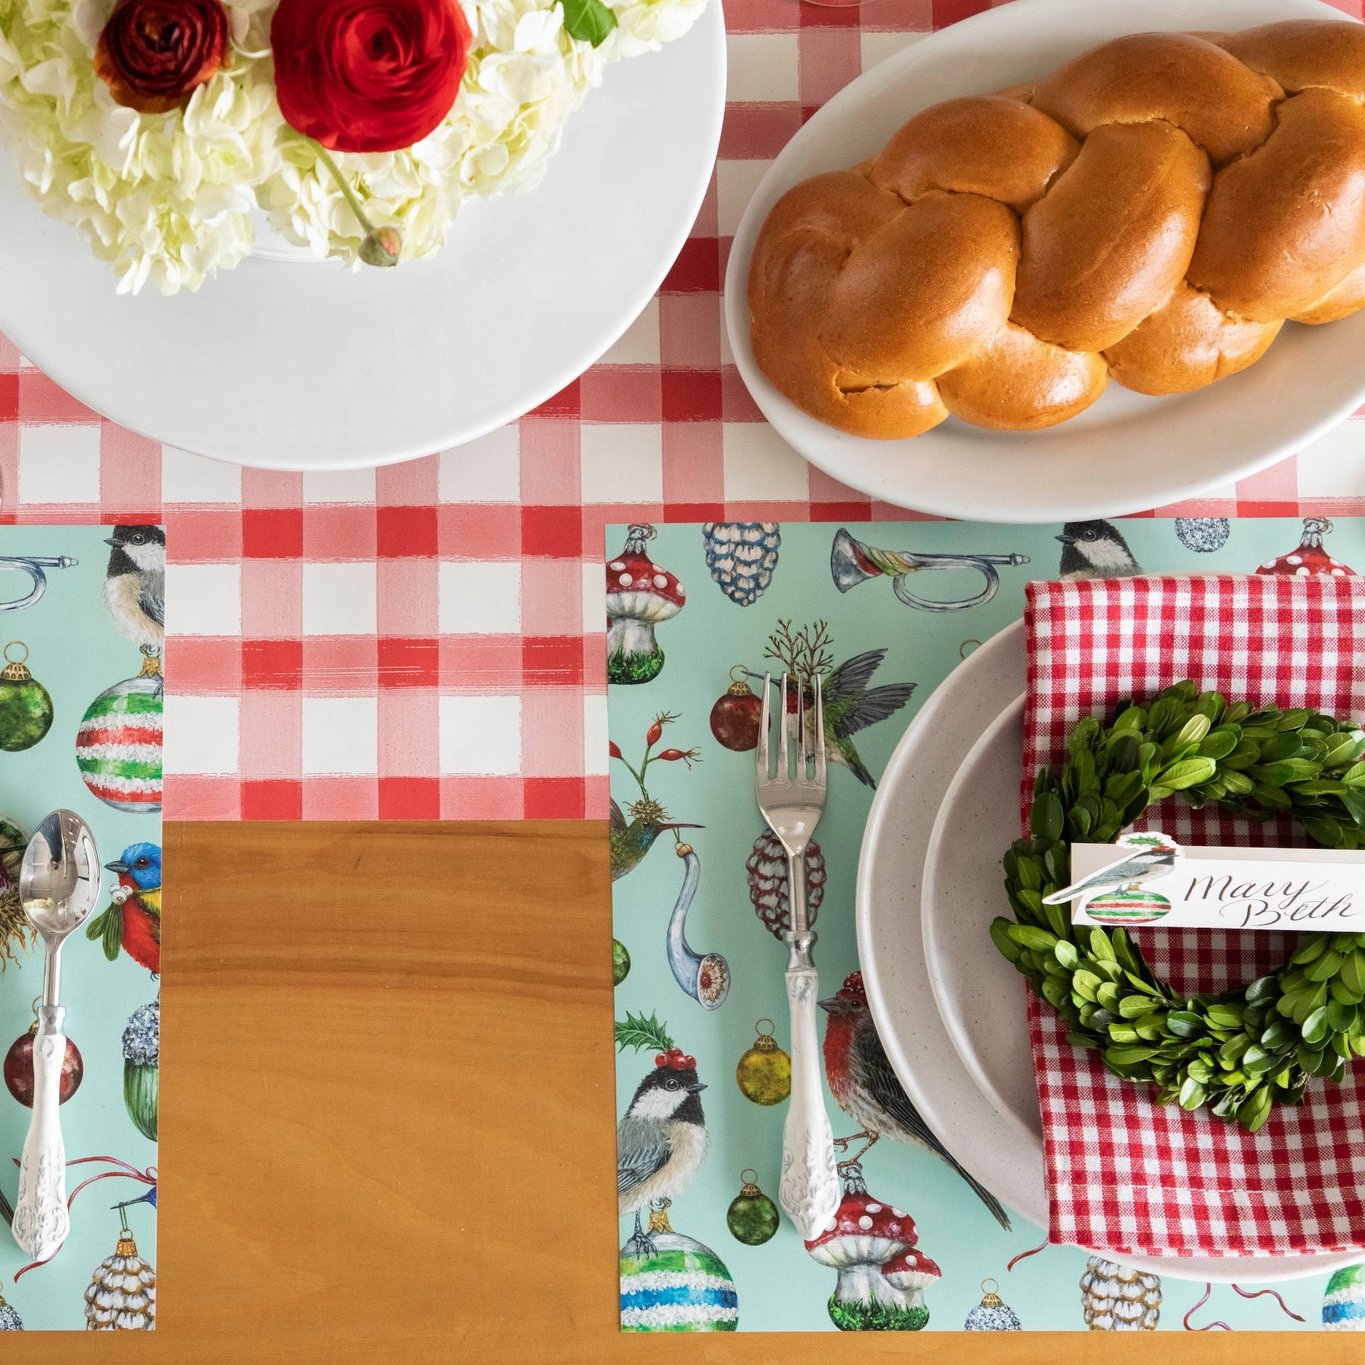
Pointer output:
1123, 1174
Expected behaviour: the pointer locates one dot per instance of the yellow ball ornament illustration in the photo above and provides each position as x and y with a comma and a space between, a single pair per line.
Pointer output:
764, 1072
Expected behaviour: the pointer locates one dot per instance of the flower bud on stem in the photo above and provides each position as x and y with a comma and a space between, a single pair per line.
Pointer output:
383, 245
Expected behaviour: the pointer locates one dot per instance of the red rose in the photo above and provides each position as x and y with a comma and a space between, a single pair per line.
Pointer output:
154, 54
368, 75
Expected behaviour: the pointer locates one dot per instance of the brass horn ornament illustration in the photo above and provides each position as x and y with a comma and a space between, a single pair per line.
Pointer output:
851, 562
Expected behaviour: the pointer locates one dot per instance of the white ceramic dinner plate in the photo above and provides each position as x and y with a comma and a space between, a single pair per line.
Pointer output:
1127, 452
302, 365
961, 755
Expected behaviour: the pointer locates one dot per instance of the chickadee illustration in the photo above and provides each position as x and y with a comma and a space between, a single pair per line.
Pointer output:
135, 585
661, 1139
1095, 549
1145, 856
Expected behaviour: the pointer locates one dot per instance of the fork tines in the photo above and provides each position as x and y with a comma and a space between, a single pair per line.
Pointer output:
808, 766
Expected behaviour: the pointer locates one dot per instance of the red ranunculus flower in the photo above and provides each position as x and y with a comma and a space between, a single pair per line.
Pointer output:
368, 75
154, 54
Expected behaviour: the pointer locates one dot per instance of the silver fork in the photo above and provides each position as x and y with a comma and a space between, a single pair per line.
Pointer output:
792, 800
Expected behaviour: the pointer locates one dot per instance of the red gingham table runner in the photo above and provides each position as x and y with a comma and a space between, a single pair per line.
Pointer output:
1124, 1174
426, 641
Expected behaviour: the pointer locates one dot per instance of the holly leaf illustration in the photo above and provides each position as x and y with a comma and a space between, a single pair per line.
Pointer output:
640, 1033
588, 20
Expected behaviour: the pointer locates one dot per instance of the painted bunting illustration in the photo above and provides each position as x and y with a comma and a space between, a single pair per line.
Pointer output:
132, 920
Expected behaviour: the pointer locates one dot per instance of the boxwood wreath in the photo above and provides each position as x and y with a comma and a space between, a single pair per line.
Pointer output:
1240, 1052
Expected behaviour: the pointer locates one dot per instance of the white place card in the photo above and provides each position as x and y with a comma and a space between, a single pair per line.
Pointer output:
1148, 878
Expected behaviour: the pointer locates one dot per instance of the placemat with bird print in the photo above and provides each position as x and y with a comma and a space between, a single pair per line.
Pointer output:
696, 615
81, 690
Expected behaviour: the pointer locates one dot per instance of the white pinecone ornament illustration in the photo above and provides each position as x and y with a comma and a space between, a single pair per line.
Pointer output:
1117, 1298
121, 1295
767, 869
741, 556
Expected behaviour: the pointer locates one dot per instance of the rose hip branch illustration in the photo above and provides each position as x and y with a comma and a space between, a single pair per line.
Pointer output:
648, 818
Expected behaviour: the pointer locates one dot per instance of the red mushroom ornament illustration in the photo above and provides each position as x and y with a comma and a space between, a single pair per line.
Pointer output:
864, 1238
912, 1272
1309, 559
639, 596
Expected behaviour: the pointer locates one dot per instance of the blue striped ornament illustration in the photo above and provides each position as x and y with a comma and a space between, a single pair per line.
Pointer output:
1343, 1304
681, 1286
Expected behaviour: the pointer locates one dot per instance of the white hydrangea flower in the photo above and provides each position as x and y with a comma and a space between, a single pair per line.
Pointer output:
171, 199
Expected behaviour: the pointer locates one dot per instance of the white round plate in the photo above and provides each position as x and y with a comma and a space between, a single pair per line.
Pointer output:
980, 996
1127, 452
306, 366
961, 743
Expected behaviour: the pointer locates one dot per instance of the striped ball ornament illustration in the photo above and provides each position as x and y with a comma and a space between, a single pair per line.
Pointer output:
679, 1286
118, 745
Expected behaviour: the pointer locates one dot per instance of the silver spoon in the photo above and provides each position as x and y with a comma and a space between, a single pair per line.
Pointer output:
59, 881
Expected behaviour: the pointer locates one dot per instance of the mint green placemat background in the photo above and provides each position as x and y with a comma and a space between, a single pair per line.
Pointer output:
76, 652
779, 1286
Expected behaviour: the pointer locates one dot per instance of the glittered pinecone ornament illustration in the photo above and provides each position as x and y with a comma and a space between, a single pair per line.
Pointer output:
992, 1314
19, 1069
118, 745
1117, 1298
742, 556
25, 706
752, 1217
1343, 1303
1309, 558
1203, 535
764, 1072
10, 1321
142, 1066
679, 1286
639, 596
15, 930
736, 716
121, 1295
767, 869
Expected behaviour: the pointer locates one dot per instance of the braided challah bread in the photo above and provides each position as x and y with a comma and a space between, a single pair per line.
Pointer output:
1153, 211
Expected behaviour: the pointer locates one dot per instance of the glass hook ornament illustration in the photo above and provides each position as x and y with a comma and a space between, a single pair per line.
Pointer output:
33, 566
704, 976
853, 561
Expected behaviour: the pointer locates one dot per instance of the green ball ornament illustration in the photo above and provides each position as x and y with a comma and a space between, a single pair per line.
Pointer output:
25, 706
752, 1217
620, 962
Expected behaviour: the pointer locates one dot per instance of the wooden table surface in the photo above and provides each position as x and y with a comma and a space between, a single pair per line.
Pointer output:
361, 1025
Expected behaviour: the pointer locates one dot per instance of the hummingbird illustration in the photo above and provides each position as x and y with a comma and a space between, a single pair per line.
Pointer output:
132, 920
865, 1087
852, 704
630, 842
1146, 856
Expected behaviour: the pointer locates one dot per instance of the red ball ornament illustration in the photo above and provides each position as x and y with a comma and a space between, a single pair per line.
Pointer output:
19, 1069
736, 716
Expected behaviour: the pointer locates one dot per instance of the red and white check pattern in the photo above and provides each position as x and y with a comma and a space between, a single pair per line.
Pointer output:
426, 641
1123, 1174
